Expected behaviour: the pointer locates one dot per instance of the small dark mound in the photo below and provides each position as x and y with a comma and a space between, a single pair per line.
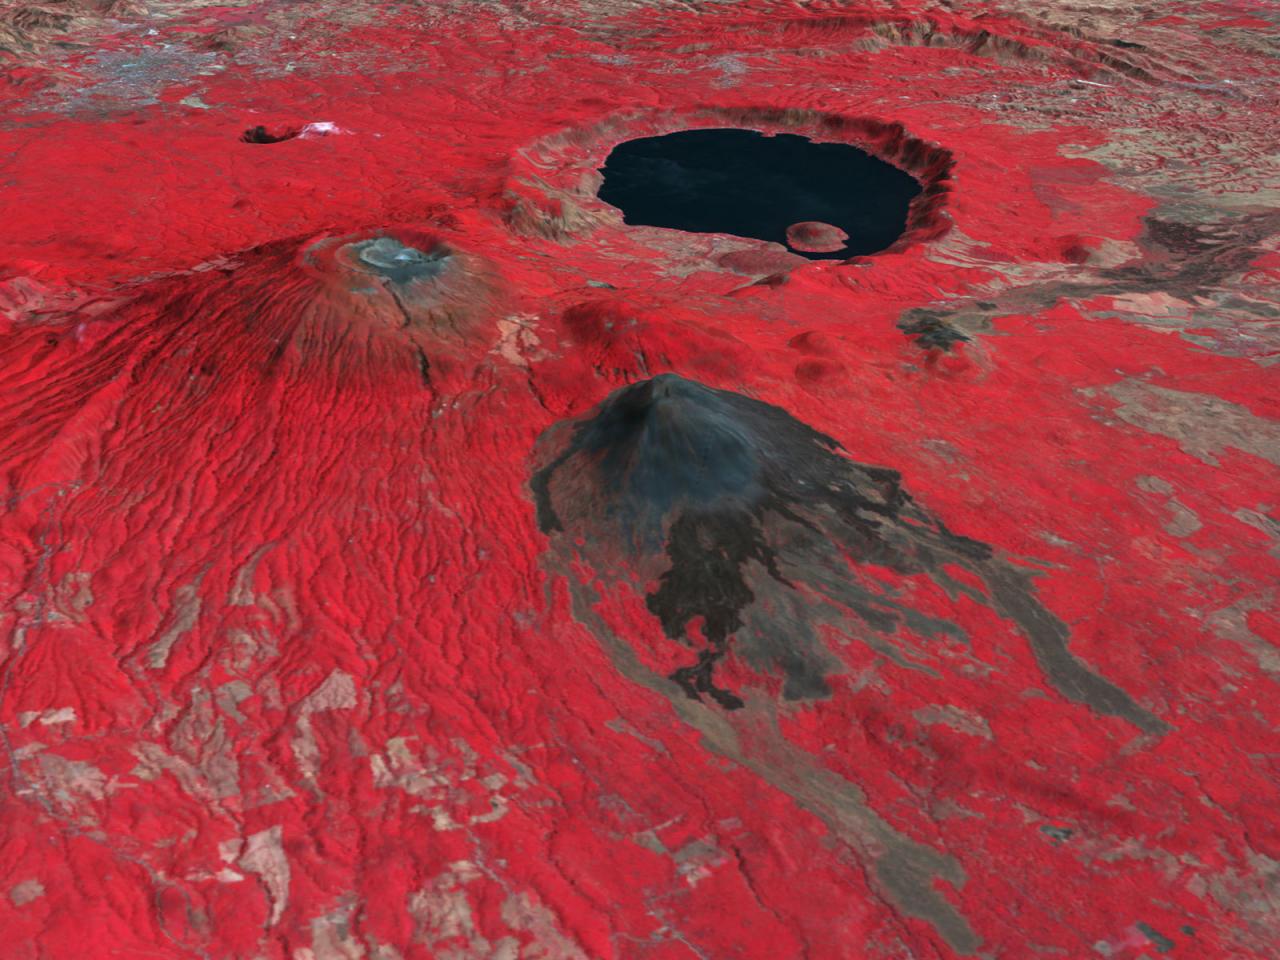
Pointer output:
262, 135
666, 443
930, 330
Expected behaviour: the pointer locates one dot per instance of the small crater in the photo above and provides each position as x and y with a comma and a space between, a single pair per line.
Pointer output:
815, 372
1056, 834
813, 342
1161, 943
263, 135
399, 263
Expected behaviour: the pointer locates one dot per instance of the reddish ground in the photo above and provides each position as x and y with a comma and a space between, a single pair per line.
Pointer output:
290, 671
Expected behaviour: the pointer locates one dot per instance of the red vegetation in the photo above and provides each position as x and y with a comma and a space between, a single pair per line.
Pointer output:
289, 669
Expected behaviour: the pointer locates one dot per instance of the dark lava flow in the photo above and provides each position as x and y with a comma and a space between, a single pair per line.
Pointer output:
744, 183
755, 526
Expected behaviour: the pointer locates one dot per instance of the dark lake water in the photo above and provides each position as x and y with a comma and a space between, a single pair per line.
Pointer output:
747, 184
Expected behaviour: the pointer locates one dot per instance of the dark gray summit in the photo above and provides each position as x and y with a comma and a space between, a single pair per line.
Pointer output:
669, 443
757, 529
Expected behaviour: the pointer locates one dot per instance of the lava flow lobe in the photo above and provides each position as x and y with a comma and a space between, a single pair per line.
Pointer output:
754, 526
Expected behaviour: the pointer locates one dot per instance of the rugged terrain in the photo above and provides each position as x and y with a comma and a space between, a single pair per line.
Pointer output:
403, 558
